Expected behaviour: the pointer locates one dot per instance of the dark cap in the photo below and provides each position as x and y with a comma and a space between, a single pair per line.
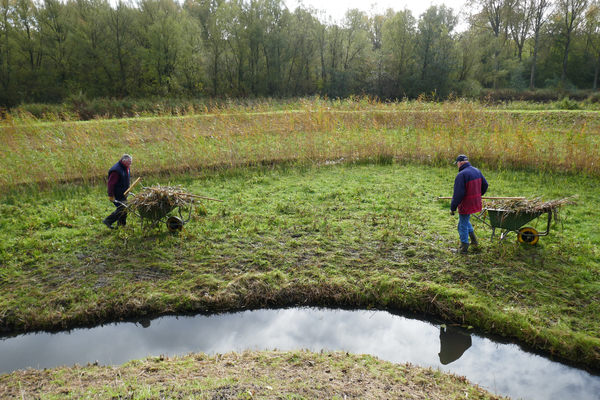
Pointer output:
460, 158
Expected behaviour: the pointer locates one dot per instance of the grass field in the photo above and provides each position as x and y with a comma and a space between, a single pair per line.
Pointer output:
347, 235
332, 204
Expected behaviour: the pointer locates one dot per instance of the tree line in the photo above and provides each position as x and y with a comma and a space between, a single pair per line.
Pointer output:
53, 50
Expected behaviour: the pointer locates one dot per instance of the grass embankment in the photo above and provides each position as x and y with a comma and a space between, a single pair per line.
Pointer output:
360, 236
247, 375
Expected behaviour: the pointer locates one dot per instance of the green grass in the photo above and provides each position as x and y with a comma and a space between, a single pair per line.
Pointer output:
353, 234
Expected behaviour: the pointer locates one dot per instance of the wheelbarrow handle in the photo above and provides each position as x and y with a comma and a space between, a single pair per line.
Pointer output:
131, 187
129, 210
481, 217
206, 198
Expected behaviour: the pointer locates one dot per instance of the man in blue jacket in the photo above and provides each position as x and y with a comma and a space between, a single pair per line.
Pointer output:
469, 186
118, 183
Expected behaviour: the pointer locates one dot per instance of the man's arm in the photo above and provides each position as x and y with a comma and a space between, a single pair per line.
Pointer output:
484, 185
113, 178
459, 192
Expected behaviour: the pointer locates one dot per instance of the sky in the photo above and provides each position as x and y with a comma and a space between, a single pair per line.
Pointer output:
337, 8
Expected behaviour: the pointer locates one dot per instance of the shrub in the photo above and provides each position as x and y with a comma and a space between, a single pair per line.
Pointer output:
567, 104
594, 98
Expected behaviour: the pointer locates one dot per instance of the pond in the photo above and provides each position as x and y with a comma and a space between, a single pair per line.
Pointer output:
501, 368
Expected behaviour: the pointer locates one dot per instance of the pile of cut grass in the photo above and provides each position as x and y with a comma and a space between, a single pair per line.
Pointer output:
530, 206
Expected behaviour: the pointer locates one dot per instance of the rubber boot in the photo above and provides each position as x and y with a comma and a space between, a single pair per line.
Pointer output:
473, 238
464, 247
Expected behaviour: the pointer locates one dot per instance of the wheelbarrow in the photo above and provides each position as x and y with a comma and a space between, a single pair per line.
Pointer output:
158, 202
160, 213
513, 221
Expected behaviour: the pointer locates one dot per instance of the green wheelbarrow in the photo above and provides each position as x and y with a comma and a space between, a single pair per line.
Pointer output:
160, 213
155, 204
514, 221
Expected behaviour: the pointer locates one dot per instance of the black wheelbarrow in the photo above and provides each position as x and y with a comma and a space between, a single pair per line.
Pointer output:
514, 221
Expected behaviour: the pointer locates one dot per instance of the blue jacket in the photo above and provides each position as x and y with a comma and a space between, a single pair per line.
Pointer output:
469, 186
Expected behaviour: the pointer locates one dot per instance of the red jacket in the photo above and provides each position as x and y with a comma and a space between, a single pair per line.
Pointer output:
469, 186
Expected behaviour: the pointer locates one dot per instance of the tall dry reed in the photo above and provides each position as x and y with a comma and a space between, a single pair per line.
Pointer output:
315, 130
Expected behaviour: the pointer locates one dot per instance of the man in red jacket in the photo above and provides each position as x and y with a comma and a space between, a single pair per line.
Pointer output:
469, 186
118, 183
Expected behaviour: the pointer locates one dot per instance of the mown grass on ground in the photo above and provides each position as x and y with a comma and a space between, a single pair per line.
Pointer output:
354, 235
246, 375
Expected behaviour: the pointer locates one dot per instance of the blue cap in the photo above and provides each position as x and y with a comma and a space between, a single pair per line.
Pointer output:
462, 157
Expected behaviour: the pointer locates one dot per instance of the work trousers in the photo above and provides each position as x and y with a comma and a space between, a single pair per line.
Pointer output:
464, 227
120, 214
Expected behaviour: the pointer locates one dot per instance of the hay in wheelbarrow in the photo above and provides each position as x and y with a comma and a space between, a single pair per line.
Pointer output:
155, 203
532, 206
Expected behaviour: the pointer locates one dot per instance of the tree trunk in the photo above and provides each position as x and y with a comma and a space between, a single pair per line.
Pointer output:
565, 59
533, 62
596, 72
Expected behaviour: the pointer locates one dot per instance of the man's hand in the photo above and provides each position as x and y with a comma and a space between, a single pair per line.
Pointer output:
111, 198
451, 212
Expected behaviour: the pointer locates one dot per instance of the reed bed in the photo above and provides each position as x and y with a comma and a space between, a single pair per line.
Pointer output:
314, 131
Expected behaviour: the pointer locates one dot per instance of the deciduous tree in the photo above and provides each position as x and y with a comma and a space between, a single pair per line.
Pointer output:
541, 12
570, 13
434, 49
399, 35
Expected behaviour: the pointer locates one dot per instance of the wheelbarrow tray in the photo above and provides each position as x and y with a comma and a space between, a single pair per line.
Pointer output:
160, 212
156, 212
511, 220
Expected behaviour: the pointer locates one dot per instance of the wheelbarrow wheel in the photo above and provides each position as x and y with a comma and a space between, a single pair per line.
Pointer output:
528, 235
174, 224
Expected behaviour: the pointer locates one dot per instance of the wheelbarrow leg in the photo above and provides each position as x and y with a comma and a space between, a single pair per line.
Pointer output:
505, 234
549, 221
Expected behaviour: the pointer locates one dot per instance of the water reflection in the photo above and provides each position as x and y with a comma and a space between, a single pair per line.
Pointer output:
453, 343
501, 368
145, 323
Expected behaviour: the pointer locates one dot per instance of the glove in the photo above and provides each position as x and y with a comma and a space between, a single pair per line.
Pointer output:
451, 212
111, 198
